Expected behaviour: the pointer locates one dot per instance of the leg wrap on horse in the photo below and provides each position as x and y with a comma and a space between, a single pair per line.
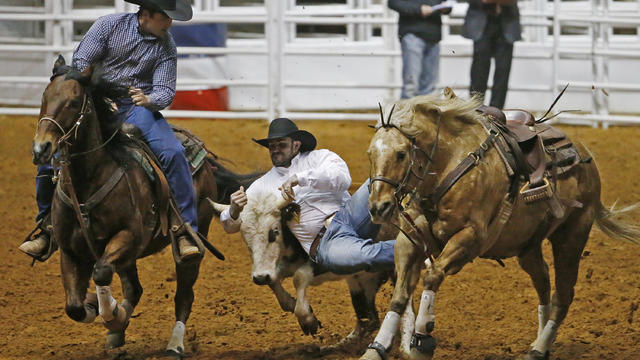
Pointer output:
543, 316
426, 316
388, 329
548, 336
115, 316
176, 343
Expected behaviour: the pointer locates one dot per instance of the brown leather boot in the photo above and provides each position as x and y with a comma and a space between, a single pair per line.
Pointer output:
37, 247
187, 249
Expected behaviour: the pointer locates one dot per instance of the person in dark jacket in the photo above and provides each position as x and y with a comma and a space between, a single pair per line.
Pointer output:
420, 31
493, 25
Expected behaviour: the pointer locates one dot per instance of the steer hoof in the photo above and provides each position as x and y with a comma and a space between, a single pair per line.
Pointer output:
115, 339
534, 355
370, 354
309, 324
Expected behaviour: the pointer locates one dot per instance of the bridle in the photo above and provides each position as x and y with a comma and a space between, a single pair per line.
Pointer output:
74, 129
66, 135
402, 189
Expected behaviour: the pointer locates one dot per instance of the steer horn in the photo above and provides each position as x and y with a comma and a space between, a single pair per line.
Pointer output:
218, 207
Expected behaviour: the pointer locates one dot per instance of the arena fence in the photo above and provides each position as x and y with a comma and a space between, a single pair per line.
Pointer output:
597, 31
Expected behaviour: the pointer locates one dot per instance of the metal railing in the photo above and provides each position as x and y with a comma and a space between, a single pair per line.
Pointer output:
282, 17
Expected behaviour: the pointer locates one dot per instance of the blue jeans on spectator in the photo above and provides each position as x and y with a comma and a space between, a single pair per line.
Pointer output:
347, 246
420, 64
164, 144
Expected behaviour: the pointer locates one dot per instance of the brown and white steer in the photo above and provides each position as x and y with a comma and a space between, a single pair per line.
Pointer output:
277, 255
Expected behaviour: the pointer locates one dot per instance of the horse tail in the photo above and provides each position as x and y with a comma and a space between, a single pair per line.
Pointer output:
607, 220
228, 181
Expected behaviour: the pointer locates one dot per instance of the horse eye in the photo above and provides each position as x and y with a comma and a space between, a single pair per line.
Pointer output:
273, 233
74, 103
401, 155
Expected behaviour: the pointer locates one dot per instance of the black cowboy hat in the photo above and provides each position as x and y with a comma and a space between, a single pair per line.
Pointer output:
283, 127
175, 9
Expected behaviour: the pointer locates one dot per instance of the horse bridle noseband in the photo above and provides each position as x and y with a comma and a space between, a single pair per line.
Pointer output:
74, 129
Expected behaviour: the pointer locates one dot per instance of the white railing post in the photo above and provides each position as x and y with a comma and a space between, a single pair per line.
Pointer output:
556, 45
275, 36
390, 36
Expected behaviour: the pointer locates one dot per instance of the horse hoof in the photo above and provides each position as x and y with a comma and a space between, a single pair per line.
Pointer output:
177, 353
309, 325
422, 347
534, 355
114, 339
370, 354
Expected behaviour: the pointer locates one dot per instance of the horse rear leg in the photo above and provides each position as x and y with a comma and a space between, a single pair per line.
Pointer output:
408, 262
187, 274
567, 243
80, 306
118, 253
533, 263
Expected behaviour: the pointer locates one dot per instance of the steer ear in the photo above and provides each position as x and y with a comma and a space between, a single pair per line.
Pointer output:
217, 207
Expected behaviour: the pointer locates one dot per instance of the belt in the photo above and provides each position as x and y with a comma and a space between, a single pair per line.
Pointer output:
313, 251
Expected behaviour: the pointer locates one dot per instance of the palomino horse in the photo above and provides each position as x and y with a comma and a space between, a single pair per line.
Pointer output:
119, 220
437, 168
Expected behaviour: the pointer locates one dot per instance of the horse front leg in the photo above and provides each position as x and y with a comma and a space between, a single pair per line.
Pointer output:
408, 262
460, 249
306, 318
116, 317
79, 305
187, 274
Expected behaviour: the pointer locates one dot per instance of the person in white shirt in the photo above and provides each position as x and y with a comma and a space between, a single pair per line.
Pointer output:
334, 228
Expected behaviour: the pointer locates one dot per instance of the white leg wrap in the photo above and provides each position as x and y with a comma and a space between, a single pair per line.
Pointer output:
106, 302
388, 329
177, 336
543, 317
425, 313
548, 336
407, 327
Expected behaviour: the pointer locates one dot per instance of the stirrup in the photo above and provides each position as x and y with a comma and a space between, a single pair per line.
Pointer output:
185, 231
540, 193
45, 229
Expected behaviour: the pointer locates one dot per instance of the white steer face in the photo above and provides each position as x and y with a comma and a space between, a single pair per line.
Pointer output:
263, 233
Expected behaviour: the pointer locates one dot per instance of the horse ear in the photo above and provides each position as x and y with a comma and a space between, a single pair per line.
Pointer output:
59, 62
449, 94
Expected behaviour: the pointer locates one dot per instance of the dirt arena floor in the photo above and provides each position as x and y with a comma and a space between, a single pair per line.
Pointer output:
485, 312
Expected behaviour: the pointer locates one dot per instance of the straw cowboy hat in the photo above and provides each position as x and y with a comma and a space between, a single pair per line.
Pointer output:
175, 9
283, 127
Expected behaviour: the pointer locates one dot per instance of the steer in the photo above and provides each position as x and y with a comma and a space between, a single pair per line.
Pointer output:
277, 255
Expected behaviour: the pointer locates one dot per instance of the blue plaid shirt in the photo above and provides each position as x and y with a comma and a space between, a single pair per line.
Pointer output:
131, 58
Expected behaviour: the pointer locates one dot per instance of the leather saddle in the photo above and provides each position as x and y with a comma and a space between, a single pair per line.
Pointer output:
539, 152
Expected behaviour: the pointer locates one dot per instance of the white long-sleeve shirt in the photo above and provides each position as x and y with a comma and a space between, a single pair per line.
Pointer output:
323, 181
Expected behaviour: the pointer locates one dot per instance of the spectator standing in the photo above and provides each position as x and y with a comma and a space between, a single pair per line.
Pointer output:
493, 25
420, 32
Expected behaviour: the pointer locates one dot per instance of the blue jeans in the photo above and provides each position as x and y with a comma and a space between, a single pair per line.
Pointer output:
420, 64
164, 144
347, 246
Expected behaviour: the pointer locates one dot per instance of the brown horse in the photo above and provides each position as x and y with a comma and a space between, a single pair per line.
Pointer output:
438, 171
120, 217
